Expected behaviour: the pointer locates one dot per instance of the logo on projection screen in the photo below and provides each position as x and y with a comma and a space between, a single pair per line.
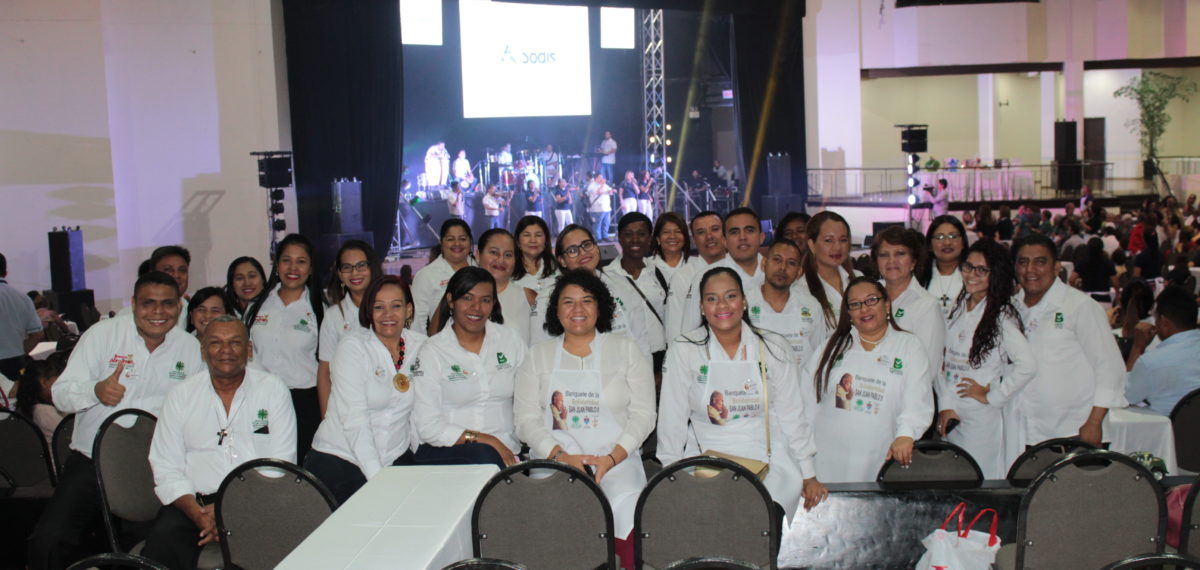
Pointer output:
513, 65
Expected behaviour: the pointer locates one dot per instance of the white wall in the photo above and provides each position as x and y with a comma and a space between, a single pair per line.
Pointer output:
135, 120
1121, 144
948, 104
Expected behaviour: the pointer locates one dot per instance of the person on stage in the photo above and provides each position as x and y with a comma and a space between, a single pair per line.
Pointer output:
722, 174
947, 238
535, 269
285, 326
564, 214
892, 402
452, 253
608, 155
456, 201
553, 163
645, 195
129, 361
599, 197
898, 252
437, 165
497, 253
753, 371
368, 425
785, 310
708, 233
629, 193
463, 379
356, 266
493, 205
533, 199
988, 361
584, 366
462, 170
505, 158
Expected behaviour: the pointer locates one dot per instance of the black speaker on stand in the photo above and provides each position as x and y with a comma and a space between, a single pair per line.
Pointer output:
1068, 172
68, 292
347, 220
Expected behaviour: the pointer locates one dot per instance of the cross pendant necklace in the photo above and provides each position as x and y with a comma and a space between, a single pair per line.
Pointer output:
221, 436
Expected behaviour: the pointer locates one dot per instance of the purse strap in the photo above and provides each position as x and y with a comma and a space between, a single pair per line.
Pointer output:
762, 373
643, 296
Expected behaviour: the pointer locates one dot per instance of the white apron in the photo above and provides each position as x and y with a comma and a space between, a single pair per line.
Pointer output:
981, 431
855, 429
799, 323
583, 425
738, 426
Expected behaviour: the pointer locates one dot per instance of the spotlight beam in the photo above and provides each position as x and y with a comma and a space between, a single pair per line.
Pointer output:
781, 37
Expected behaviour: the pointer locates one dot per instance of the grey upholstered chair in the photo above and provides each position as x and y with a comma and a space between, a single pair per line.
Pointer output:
116, 560
1185, 422
1037, 458
710, 563
265, 508
1175, 561
484, 564
1088, 495
1189, 531
545, 516
26, 457
729, 515
935, 465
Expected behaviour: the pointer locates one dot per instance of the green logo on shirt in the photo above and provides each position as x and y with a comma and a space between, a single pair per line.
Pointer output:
178, 373
501, 359
897, 364
755, 313
703, 374
456, 373
1058, 320
899, 313
261, 422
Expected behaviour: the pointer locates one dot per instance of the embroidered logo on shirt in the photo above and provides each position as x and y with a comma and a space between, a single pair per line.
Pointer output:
456, 373
755, 313
897, 364
261, 319
899, 313
501, 360
261, 425
703, 377
1058, 320
415, 370
302, 325
804, 312
178, 373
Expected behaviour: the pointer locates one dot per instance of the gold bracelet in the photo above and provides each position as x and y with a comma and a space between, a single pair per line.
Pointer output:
470, 436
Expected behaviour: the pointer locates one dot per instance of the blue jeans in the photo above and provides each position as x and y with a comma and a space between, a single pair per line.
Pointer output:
606, 170
495, 222
600, 222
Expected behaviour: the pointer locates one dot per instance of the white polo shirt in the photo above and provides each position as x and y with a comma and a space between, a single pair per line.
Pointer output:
369, 420
917, 311
800, 322
188, 453
285, 340
679, 293
339, 320
457, 390
691, 303
428, 286
147, 376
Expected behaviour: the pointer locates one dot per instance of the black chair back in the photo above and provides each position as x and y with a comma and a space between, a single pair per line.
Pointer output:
26, 456
265, 508
560, 521
711, 563
122, 458
484, 564
116, 560
1037, 458
60, 442
1189, 528
1089, 509
1176, 561
1185, 422
935, 465
730, 515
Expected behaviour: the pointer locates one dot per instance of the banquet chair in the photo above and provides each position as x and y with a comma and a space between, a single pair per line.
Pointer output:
484, 564
935, 465
1185, 422
26, 457
1189, 530
116, 560
126, 481
1087, 510
1037, 458
265, 508
60, 442
544, 515
1175, 561
651, 465
680, 516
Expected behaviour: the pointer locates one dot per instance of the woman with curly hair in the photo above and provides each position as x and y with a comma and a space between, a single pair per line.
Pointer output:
988, 361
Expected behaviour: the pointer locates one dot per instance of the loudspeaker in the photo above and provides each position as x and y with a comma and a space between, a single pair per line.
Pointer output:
347, 206
914, 139
78, 306
275, 172
329, 244
779, 174
66, 260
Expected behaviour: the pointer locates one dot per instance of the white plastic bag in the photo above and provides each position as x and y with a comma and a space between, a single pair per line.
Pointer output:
961, 549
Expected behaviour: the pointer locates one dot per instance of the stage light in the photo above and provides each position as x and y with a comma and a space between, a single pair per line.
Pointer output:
668, 142
277, 194
277, 208
668, 126
669, 161
912, 199
279, 225
653, 138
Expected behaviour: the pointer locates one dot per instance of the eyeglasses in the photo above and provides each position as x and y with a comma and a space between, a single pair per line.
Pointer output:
968, 269
944, 237
347, 268
575, 250
869, 302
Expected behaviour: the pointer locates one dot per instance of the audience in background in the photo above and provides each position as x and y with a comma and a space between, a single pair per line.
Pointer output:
1165, 375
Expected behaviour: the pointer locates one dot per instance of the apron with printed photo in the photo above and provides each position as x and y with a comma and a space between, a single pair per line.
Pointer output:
855, 422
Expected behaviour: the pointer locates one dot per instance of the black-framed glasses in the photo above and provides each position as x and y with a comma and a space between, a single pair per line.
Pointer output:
944, 237
360, 266
869, 302
968, 269
574, 250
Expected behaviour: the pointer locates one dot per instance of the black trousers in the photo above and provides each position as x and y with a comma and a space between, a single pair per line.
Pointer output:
72, 511
462, 454
308, 417
342, 477
173, 538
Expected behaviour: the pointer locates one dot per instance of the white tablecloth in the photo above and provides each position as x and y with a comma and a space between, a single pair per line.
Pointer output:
405, 517
1138, 429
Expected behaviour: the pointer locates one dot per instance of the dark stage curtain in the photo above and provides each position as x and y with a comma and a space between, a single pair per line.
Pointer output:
760, 56
346, 87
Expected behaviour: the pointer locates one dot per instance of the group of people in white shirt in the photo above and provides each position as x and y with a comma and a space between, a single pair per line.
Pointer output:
506, 348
